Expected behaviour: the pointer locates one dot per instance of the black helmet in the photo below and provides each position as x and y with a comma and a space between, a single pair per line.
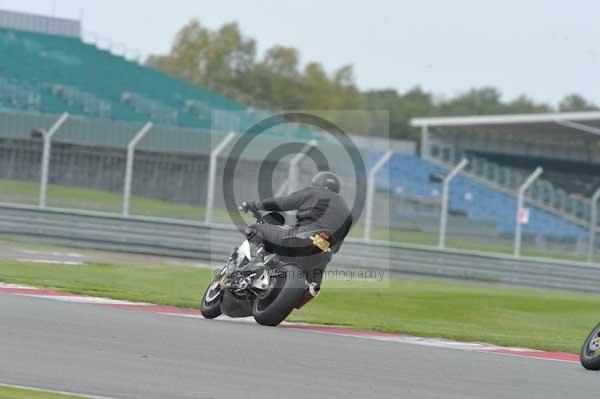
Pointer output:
327, 180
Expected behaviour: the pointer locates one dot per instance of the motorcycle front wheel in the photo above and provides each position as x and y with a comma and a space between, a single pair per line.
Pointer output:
287, 289
210, 307
590, 351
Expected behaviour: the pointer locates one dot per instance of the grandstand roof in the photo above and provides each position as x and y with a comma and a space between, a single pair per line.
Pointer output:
586, 122
40, 23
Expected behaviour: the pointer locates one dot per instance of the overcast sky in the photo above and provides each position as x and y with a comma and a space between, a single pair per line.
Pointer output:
546, 49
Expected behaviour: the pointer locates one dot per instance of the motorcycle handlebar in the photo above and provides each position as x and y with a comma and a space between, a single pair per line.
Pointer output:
257, 215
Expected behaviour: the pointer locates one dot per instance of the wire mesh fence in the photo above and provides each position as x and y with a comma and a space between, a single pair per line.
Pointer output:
172, 168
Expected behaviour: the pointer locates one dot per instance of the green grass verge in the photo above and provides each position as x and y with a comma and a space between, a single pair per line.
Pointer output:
18, 393
23, 192
518, 317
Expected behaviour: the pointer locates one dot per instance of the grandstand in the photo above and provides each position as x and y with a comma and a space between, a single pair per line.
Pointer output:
66, 74
490, 210
504, 149
49, 70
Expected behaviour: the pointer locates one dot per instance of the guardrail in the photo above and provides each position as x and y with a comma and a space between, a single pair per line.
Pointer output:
214, 243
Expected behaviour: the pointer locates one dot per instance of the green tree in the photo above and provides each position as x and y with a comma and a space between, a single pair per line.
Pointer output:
575, 102
401, 107
276, 79
485, 100
225, 61
218, 60
524, 105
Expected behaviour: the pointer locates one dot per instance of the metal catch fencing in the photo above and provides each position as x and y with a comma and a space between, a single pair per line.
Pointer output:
159, 171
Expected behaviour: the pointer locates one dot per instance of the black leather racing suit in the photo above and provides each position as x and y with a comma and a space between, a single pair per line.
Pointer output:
317, 209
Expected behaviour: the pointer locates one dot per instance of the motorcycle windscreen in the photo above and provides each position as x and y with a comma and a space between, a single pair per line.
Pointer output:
245, 250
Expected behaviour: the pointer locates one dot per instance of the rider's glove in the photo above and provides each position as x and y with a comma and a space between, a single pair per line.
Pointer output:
253, 206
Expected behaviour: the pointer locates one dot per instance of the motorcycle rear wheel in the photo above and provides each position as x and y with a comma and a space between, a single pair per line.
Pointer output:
288, 287
590, 351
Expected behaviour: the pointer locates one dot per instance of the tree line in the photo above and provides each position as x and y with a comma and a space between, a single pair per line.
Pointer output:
226, 62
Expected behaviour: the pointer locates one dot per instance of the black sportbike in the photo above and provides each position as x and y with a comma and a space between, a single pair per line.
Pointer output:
263, 285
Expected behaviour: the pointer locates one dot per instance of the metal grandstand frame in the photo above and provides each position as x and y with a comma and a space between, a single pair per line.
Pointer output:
584, 123
581, 122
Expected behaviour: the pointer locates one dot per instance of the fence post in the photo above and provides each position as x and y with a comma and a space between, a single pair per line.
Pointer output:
520, 200
212, 176
593, 224
445, 199
293, 180
425, 142
371, 193
129, 165
46, 157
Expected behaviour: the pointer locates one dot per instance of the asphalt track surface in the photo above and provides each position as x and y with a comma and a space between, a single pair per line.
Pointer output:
122, 354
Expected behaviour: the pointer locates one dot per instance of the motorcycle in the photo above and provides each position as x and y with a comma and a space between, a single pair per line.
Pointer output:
590, 351
255, 283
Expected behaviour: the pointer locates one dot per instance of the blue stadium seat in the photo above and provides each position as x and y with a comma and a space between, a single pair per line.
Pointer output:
412, 174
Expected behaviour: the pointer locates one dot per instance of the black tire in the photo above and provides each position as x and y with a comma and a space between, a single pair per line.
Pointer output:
288, 287
590, 351
211, 308
234, 307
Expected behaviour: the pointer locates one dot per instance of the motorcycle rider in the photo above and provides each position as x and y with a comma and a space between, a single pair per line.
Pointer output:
320, 208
